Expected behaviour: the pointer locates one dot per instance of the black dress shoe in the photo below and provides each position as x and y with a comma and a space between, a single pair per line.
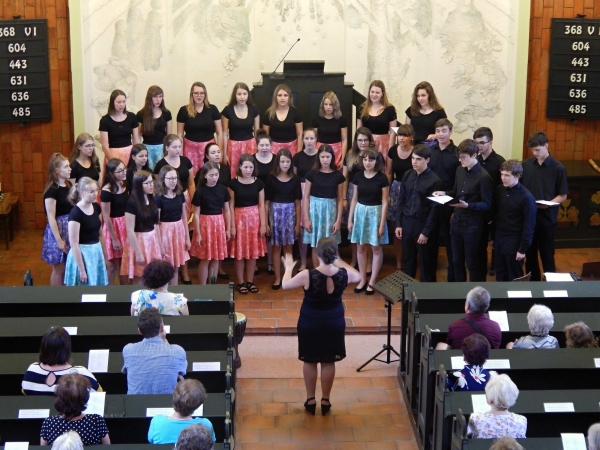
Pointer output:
223, 276
186, 281
358, 290
276, 287
369, 292
270, 270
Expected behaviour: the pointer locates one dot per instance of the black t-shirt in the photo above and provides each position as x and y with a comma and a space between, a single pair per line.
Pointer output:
89, 229
60, 194
303, 164
160, 128
240, 129
424, 124
324, 185
264, 169
131, 208
224, 175
380, 124
78, 171
329, 130
246, 194
211, 199
278, 191
183, 171
369, 189
283, 131
119, 133
202, 127
171, 209
117, 202
355, 168
399, 165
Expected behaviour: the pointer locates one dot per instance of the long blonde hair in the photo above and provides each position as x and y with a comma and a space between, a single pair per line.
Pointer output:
366, 106
337, 113
55, 161
191, 106
273, 107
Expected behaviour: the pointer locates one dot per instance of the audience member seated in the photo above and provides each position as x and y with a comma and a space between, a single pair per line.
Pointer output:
506, 443
54, 362
540, 321
153, 366
195, 437
594, 437
501, 393
156, 279
68, 441
473, 377
72, 395
579, 335
188, 396
475, 321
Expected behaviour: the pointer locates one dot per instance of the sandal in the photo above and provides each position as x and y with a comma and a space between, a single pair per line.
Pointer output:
250, 286
242, 289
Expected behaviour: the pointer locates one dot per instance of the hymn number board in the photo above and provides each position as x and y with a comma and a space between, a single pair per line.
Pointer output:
24, 72
574, 76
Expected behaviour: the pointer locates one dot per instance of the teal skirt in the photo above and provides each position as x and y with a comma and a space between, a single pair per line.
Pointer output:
95, 267
323, 214
366, 226
155, 154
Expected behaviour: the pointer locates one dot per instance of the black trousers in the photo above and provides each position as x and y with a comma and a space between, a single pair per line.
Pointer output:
427, 253
465, 237
507, 267
483, 250
543, 243
444, 214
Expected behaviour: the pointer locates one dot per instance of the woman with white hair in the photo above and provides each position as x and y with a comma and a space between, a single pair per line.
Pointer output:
594, 437
68, 441
540, 321
501, 393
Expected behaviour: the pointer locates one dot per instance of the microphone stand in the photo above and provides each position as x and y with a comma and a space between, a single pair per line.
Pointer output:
272, 74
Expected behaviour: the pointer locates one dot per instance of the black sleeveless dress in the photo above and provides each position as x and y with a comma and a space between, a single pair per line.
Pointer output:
321, 325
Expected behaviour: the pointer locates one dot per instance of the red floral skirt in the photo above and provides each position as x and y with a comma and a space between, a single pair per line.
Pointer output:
214, 239
248, 243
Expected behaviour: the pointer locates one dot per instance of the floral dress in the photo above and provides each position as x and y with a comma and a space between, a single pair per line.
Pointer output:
491, 426
167, 303
470, 378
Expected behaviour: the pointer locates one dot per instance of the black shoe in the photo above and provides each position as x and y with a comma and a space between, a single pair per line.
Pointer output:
213, 280
223, 276
256, 271
369, 274
310, 408
186, 281
270, 270
276, 287
369, 292
325, 408
358, 290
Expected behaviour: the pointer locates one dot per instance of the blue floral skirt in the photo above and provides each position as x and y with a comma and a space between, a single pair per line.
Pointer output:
50, 251
155, 154
323, 214
95, 267
282, 219
366, 226
393, 206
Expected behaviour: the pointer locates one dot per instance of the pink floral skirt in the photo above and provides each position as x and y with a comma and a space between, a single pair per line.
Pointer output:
195, 152
118, 224
291, 146
214, 239
337, 151
248, 243
150, 248
382, 144
173, 240
235, 149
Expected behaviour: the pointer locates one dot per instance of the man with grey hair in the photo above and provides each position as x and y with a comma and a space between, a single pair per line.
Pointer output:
475, 321
195, 437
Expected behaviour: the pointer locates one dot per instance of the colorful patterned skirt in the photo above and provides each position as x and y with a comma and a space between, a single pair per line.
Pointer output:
214, 240
337, 151
95, 266
50, 251
366, 226
394, 203
382, 144
155, 154
323, 214
195, 152
150, 248
248, 243
118, 224
123, 153
282, 220
235, 149
291, 146
349, 195
173, 240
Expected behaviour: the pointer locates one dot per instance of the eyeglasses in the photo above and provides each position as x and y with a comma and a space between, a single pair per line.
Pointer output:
362, 141
147, 183
171, 178
481, 144
89, 146
464, 157
120, 171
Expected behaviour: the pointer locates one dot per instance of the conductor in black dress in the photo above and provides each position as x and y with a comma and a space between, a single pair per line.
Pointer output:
321, 325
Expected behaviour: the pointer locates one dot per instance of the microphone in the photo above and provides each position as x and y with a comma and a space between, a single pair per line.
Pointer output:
272, 73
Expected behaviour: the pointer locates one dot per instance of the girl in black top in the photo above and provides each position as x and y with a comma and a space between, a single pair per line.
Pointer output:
264, 158
57, 208
211, 222
424, 112
282, 203
173, 215
156, 122
283, 122
182, 165
248, 224
118, 128
143, 233
197, 123
215, 155
137, 162
241, 120
379, 116
332, 127
113, 197
83, 160
367, 220
86, 261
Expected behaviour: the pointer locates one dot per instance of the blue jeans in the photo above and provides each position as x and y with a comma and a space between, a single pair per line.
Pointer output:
465, 237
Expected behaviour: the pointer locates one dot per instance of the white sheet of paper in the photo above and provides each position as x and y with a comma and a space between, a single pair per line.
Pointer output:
71, 330
34, 413
497, 364
395, 129
199, 411
559, 407
501, 318
457, 362
151, 412
573, 441
89, 298
519, 294
597, 362
555, 276
95, 404
98, 361
441, 199
16, 445
556, 294
206, 366
480, 403
167, 329
547, 203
